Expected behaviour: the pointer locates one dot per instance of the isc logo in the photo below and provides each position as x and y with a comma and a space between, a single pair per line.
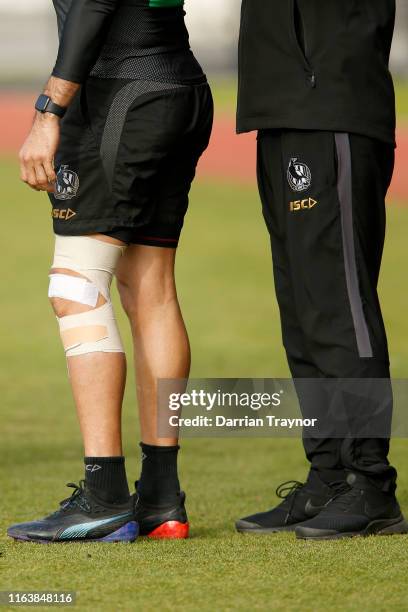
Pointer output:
63, 213
306, 204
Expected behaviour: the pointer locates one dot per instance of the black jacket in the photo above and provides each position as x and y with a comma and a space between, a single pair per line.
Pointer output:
317, 65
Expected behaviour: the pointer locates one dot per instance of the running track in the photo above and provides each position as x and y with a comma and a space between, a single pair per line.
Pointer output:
229, 157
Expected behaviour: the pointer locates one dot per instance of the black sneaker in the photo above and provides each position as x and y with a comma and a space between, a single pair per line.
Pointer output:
81, 518
363, 510
168, 522
301, 502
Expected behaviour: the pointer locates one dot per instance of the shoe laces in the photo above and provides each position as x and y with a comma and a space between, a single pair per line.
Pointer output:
288, 491
77, 498
288, 488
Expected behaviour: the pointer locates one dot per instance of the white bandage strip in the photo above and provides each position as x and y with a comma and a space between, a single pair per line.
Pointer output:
74, 289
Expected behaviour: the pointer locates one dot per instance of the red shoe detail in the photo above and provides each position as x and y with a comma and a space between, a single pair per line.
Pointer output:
172, 530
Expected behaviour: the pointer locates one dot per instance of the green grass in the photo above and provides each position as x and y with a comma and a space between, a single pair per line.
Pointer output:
225, 287
225, 93
401, 91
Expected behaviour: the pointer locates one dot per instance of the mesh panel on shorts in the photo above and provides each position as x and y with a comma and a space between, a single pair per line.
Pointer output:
117, 116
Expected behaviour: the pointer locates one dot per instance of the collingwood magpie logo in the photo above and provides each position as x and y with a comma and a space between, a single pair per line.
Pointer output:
299, 175
67, 184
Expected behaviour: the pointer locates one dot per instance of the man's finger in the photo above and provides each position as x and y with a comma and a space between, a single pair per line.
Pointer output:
50, 187
30, 175
50, 172
23, 173
24, 165
40, 174
27, 172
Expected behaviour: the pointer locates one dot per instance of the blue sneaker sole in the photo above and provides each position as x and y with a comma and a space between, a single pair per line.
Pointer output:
126, 533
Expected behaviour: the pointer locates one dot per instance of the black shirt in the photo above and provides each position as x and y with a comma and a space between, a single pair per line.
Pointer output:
317, 65
136, 39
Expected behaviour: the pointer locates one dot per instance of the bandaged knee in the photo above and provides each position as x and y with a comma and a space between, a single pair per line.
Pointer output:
95, 330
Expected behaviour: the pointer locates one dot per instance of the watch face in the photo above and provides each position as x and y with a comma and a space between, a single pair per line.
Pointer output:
42, 103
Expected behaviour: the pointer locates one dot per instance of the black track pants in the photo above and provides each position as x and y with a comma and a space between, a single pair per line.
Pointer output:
323, 198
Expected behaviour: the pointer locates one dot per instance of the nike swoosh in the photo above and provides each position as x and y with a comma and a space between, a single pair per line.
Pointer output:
80, 530
311, 509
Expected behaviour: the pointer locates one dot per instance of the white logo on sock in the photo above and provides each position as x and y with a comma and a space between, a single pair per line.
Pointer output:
92, 467
143, 456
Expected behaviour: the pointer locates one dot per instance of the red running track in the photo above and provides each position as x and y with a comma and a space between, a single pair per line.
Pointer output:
229, 157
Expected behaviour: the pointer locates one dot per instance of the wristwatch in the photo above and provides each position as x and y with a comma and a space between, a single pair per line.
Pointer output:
44, 104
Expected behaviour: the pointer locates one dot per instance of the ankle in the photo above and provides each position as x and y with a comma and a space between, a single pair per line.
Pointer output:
159, 483
106, 478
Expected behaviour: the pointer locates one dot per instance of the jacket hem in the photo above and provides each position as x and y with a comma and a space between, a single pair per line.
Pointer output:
250, 124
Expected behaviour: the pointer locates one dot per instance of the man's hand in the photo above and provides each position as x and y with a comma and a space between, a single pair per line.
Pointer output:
37, 153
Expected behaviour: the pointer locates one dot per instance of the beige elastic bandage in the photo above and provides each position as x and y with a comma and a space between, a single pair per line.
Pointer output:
95, 330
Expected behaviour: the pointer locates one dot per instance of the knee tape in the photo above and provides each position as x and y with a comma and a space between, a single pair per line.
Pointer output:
95, 330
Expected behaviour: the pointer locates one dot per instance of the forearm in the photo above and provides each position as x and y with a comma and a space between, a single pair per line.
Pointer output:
37, 153
60, 91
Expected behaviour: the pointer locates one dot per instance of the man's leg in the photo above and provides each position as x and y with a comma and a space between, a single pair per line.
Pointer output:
80, 294
316, 278
97, 380
97, 370
323, 454
327, 474
161, 348
334, 240
333, 219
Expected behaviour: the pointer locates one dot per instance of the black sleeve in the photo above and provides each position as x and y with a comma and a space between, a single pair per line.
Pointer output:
82, 38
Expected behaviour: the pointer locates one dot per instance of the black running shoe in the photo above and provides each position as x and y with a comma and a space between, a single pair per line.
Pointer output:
81, 518
301, 502
162, 522
363, 510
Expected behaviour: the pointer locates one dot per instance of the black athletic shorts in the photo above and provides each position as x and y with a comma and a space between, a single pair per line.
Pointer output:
127, 157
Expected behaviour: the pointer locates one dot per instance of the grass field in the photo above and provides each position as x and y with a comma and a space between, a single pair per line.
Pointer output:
226, 291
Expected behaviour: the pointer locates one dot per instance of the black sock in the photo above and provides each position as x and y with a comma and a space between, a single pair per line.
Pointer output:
159, 483
106, 478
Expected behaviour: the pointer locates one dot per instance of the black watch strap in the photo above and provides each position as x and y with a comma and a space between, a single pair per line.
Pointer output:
44, 104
